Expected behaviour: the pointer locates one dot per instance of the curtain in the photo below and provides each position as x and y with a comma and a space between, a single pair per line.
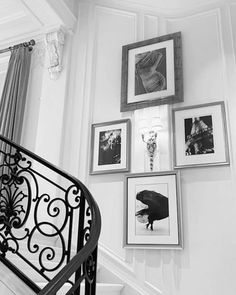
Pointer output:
12, 104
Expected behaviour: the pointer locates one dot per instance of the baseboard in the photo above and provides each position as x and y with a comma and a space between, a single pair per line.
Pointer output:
124, 272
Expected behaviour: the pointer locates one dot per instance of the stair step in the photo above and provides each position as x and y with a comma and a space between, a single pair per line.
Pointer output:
33, 275
102, 289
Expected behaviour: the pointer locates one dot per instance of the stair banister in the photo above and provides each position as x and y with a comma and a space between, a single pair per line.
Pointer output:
21, 181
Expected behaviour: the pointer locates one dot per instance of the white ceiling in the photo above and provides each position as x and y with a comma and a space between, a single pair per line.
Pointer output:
15, 19
21, 19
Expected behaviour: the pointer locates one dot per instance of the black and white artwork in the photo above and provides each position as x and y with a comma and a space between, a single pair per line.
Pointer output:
109, 147
153, 210
199, 137
150, 71
152, 213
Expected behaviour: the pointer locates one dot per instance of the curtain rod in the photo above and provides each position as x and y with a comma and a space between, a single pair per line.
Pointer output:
25, 44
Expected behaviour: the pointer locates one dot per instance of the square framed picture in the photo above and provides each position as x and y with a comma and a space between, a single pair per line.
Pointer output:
153, 211
110, 148
200, 135
152, 72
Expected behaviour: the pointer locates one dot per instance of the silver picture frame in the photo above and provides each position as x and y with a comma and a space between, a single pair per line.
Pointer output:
153, 211
110, 147
152, 72
200, 135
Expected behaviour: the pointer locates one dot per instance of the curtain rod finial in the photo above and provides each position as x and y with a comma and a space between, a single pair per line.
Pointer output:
32, 42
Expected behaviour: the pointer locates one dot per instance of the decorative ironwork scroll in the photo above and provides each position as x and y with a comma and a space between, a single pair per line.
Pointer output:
42, 211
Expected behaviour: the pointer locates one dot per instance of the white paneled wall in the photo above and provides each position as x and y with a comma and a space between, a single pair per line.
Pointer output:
114, 28
59, 114
207, 263
233, 23
202, 54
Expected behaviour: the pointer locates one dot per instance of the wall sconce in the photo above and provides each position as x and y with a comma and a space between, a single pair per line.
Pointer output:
149, 136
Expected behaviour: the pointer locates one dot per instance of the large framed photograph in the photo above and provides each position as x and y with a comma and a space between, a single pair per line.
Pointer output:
153, 211
110, 148
200, 135
152, 72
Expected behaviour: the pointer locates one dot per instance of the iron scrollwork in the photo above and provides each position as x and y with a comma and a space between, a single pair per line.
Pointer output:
34, 208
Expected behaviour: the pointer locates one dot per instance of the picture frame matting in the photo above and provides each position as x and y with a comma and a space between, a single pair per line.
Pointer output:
110, 147
152, 215
152, 72
200, 135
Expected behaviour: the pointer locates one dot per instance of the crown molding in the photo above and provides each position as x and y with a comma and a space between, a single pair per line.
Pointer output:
161, 7
12, 17
51, 12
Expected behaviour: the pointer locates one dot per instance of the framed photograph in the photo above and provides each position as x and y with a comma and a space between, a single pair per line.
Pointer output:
200, 135
153, 211
152, 72
110, 147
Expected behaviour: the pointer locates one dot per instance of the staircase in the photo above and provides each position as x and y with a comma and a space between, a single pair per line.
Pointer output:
102, 288
16, 286
49, 228
19, 287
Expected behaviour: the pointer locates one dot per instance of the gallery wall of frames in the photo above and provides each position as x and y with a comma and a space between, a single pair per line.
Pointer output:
152, 75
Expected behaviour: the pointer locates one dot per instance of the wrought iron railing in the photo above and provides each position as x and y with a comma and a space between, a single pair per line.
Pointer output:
49, 223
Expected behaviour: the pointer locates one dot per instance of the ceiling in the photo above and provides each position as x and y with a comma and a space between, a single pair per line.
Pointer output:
21, 19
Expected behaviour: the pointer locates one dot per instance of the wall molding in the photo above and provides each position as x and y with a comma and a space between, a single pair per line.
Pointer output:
126, 274
12, 17
109, 259
58, 13
108, 253
155, 20
120, 12
231, 26
65, 14
151, 6
153, 288
194, 14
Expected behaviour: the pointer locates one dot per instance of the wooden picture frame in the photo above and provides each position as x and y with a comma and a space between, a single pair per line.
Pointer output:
200, 135
110, 147
153, 211
152, 72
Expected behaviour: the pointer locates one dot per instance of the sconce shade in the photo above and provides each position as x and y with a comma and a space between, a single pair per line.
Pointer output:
143, 126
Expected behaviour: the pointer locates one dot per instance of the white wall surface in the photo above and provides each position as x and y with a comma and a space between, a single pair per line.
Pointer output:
44, 112
72, 5
207, 263
60, 114
44, 116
